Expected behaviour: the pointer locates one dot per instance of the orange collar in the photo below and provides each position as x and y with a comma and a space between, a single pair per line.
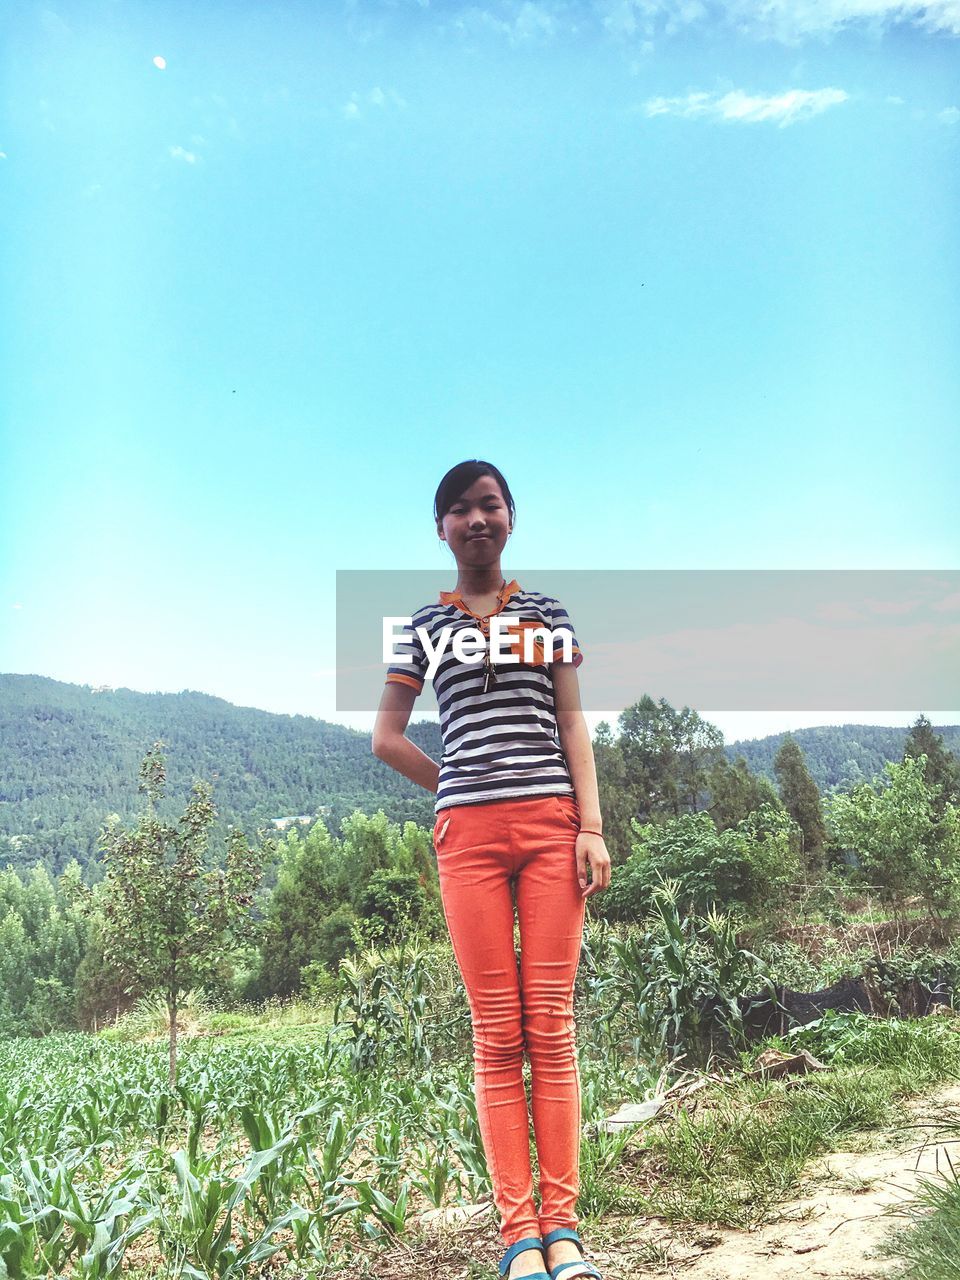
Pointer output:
503, 595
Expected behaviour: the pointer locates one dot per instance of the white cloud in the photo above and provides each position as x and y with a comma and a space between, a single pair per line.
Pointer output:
180, 153
517, 22
522, 22
949, 115
790, 20
894, 100
377, 97
737, 106
629, 18
53, 23
786, 20
3, 155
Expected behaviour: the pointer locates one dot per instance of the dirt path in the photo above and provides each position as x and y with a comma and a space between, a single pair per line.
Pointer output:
832, 1230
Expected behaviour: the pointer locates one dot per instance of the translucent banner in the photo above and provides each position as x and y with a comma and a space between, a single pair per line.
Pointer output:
735, 640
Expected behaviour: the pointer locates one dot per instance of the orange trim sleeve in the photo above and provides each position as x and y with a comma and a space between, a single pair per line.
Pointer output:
395, 678
575, 654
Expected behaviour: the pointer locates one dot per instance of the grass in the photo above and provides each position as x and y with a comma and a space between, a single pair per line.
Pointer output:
930, 1248
728, 1155
929, 1245
729, 1165
732, 1153
149, 1020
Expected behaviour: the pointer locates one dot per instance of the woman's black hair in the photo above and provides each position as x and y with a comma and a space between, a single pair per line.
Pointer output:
459, 479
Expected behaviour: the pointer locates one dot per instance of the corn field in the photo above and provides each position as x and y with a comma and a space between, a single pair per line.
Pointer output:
280, 1150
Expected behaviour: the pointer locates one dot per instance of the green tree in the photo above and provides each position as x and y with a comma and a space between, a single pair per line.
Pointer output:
306, 889
620, 801
751, 865
736, 792
668, 756
101, 991
337, 936
369, 845
942, 767
16, 976
50, 1007
393, 902
325, 887
414, 855
801, 799
904, 845
169, 923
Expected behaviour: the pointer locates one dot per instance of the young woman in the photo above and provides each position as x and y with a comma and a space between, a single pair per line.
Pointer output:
517, 812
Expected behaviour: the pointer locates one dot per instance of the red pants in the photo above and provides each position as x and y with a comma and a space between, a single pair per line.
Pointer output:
482, 849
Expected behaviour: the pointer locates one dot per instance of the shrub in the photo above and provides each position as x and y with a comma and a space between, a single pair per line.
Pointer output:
751, 865
681, 984
391, 902
904, 843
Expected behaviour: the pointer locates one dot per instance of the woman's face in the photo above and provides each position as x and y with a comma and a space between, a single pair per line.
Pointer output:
477, 524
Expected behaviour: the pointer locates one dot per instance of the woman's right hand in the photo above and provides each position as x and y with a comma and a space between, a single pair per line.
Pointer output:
592, 850
390, 743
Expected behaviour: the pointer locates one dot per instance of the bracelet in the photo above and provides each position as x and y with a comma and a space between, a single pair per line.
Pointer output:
585, 831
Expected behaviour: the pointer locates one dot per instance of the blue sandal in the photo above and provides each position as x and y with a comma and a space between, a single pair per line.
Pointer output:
586, 1268
521, 1246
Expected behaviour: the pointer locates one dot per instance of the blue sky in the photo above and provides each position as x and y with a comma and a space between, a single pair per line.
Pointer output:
686, 272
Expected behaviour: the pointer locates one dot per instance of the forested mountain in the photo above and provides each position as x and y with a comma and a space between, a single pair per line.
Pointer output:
69, 755
838, 756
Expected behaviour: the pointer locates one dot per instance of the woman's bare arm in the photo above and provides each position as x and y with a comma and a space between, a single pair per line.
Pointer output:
575, 741
578, 751
390, 743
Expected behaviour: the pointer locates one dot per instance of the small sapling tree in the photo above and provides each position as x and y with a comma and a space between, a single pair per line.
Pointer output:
169, 922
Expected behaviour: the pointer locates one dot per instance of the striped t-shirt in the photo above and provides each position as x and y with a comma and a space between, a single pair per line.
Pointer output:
500, 744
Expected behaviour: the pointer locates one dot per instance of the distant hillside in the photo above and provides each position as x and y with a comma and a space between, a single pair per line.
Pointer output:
69, 756
838, 756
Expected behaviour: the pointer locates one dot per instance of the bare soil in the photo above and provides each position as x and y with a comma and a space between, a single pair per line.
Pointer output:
848, 1206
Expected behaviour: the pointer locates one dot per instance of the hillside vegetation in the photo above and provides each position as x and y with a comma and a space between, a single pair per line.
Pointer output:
223, 1045
69, 756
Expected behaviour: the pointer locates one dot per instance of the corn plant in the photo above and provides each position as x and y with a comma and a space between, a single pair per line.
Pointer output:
19, 1238
206, 1226
389, 1140
435, 1174
48, 1185
329, 1195
67, 1222
380, 1007
459, 1106
104, 1226
389, 1211
683, 980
